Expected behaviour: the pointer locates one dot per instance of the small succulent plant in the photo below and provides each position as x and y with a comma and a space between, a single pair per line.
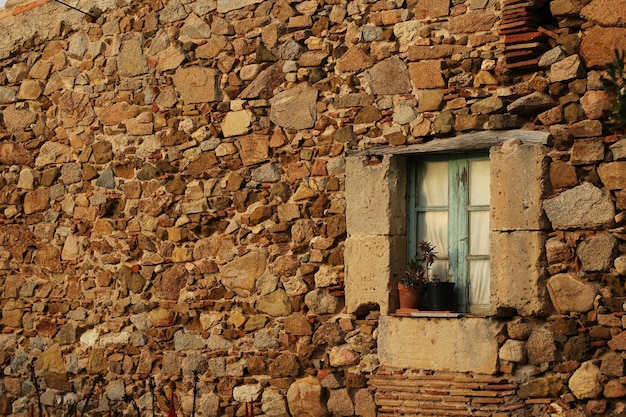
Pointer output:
417, 272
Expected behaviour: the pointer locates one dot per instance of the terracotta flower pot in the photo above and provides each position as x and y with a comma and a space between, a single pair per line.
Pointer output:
410, 298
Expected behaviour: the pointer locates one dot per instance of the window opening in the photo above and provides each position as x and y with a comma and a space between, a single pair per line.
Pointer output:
448, 200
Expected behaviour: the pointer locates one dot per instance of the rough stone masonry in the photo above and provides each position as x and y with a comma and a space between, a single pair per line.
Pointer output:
172, 201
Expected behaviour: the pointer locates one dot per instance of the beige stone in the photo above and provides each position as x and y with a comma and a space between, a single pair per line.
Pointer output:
37, 200
116, 113
516, 199
16, 119
197, 84
472, 21
364, 404
71, 248
170, 58
275, 304
305, 398
241, 274
613, 175
566, 69
587, 151
586, 128
253, 149
426, 74
562, 174
131, 60
12, 313
371, 262
304, 192
599, 43
51, 360
30, 90
570, 294
585, 382
595, 103
605, 12
584, 206
195, 28
565, 7
224, 6
12, 153
431, 8
295, 108
513, 351
429, 100
518, 271
439, 344
236, 123
390, 76
375, 193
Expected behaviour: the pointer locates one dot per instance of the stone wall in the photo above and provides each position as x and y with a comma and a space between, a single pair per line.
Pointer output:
173, 196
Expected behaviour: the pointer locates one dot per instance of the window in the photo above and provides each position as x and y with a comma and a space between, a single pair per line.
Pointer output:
448, 201
377, 209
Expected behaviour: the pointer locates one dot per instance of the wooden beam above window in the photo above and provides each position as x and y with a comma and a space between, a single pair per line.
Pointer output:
466, 142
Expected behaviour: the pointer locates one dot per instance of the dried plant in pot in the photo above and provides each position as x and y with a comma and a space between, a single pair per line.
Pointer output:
439, 293
412, 284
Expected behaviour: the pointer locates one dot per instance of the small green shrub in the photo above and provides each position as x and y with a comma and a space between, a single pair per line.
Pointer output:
615, 83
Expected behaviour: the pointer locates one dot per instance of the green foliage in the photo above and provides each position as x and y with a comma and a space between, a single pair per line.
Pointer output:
615, 83
418, 267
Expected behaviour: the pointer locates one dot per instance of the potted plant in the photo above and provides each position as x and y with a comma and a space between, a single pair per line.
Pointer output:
440, 295
412, 285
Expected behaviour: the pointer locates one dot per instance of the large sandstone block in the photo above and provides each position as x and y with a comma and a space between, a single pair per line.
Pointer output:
431, 8
605, 12
131, 60
295, 108
370, 263
585, 206
197, 84
375, 196
390, 76
460, 345
613, 175
571, 294
516, 199
599, 43
518, 272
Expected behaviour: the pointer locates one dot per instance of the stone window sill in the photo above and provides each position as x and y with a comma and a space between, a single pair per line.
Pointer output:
431, 314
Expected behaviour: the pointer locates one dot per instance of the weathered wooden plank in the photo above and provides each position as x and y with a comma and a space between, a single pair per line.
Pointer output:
467, 142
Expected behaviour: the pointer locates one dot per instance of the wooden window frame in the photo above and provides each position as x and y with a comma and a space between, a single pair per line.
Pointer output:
458, 210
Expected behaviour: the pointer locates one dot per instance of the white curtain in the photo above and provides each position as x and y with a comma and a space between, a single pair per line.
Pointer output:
479, 231
432, 226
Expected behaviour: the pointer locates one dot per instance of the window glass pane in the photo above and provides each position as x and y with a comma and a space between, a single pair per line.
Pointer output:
440, 269
433, 227
479, 282
479, 233
432, 184
479, 183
